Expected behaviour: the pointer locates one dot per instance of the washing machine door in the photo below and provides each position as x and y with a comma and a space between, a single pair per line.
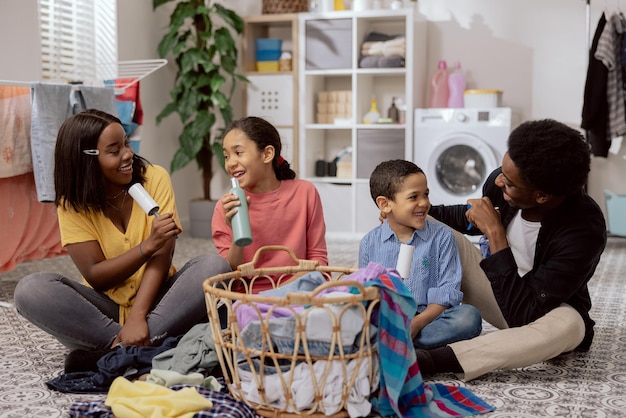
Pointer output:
458, 168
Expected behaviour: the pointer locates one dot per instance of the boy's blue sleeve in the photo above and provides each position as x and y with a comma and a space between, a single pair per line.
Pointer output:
364, 252
448, 292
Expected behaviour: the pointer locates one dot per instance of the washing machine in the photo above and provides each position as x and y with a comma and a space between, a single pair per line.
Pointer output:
458, 149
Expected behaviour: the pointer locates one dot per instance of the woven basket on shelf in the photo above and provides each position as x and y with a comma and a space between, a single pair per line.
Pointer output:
285, 6
266, 360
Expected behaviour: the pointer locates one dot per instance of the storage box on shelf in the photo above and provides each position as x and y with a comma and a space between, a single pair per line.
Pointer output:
334, 106
331, 56
272, 91
268, 51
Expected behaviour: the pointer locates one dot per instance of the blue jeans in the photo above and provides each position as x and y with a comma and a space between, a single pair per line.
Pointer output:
81, 317
460, 322
281, 334
51, 105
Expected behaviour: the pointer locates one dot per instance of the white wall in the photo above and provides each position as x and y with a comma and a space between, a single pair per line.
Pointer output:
20, 51
533, 50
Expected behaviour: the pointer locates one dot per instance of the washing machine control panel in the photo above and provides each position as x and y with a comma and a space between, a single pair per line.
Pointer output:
461, 117
465, 116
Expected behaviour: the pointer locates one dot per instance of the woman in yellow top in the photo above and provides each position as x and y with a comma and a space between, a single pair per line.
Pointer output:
132, 293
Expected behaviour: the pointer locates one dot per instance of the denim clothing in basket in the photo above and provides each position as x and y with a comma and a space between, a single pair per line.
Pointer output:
247, 313
282, 333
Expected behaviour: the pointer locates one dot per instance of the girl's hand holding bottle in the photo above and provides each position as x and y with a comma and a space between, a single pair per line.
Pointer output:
230, 204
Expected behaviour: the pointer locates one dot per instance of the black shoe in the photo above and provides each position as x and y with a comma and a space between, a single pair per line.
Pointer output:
81, 360
425, 362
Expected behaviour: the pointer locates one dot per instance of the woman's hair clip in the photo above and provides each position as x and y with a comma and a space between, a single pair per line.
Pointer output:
91, 151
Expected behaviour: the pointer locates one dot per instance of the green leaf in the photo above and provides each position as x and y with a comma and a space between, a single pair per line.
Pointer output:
227, 114
218, 151
157, 3
220, 100
216, 82
169, 109
179, 161
202, 124
229, 64
224, 42
230, 18
189, 143
167, 44
241, 78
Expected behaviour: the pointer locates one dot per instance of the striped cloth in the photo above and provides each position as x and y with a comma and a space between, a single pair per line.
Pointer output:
402, 389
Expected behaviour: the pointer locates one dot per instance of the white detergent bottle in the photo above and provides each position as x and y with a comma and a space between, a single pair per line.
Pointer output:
456, 86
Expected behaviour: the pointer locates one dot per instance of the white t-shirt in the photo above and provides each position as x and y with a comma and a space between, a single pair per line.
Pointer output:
522, 237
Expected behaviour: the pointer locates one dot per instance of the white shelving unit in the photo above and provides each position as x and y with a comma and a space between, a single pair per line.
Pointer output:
330, 47
273, 95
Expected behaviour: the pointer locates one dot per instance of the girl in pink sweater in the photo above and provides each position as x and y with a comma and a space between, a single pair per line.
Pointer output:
283, 210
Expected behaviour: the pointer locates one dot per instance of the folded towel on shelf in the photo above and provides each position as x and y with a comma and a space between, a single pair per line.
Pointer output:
382, 62
377, 44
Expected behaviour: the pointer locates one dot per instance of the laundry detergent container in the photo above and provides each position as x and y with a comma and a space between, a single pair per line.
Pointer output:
482, 99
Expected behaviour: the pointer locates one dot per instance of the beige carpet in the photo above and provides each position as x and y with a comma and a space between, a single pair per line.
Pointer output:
583, 385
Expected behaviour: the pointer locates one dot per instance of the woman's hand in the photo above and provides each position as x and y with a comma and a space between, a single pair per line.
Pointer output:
134, 332
163, 229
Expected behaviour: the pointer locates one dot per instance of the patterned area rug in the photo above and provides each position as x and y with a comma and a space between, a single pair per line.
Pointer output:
592, 384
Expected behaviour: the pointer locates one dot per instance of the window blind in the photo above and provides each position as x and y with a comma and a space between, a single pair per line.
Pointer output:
78, 40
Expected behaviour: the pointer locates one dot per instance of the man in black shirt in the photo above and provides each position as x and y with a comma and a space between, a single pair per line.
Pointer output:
545, 237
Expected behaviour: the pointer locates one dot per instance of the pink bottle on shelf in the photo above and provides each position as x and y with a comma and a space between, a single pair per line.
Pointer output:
456, 86
439, 90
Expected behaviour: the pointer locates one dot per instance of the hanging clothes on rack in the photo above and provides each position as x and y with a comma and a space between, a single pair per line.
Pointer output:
595, 105
604, 109
15, 131
128, 103
609, 51
31, 224
51, 105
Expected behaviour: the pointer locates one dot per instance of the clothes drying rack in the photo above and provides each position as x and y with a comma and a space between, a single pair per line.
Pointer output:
131, 71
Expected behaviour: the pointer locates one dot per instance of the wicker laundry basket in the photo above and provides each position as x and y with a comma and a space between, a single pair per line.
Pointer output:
285, 6
266, 361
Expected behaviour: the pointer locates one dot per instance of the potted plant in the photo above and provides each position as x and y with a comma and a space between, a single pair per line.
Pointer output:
201, 39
